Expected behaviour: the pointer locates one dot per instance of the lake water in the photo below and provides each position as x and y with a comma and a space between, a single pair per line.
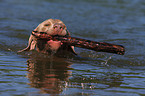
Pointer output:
91, 74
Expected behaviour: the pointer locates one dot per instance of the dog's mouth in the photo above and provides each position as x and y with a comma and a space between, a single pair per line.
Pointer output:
43, 35
38, 32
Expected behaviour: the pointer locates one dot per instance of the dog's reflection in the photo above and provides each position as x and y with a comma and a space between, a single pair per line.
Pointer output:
51, 75
48, 74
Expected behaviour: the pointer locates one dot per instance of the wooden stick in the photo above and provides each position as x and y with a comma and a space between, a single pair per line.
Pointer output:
83, 43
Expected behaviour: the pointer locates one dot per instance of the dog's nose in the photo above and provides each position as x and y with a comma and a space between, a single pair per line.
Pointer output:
58, 27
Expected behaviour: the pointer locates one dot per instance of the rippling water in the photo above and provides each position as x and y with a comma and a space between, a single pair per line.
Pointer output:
99, 74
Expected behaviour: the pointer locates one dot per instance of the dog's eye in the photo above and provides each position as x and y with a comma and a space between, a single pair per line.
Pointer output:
47, 25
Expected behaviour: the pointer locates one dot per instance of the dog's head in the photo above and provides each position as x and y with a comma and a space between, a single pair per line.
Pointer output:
52, 27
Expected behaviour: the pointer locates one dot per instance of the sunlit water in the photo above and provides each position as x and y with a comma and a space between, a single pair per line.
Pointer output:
96, 74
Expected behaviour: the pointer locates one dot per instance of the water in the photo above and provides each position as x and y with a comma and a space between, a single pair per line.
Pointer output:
96, 74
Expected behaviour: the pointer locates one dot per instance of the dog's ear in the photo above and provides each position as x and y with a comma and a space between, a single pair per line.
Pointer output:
31, 44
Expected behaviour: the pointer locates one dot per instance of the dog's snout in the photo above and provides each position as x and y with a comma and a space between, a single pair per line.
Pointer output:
58, 26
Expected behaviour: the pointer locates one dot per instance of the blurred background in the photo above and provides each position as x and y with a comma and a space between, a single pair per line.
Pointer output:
93, 73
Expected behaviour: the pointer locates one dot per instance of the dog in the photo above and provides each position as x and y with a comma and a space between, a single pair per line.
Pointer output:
51, 27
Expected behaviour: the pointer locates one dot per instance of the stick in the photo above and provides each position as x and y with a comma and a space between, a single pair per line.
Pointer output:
83, 43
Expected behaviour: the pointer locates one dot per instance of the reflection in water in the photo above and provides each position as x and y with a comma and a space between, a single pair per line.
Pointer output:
52, 75
48, 74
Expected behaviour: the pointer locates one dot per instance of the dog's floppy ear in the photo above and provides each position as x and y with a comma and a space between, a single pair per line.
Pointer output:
31, 44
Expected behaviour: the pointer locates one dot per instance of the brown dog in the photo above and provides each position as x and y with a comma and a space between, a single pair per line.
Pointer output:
51, 27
